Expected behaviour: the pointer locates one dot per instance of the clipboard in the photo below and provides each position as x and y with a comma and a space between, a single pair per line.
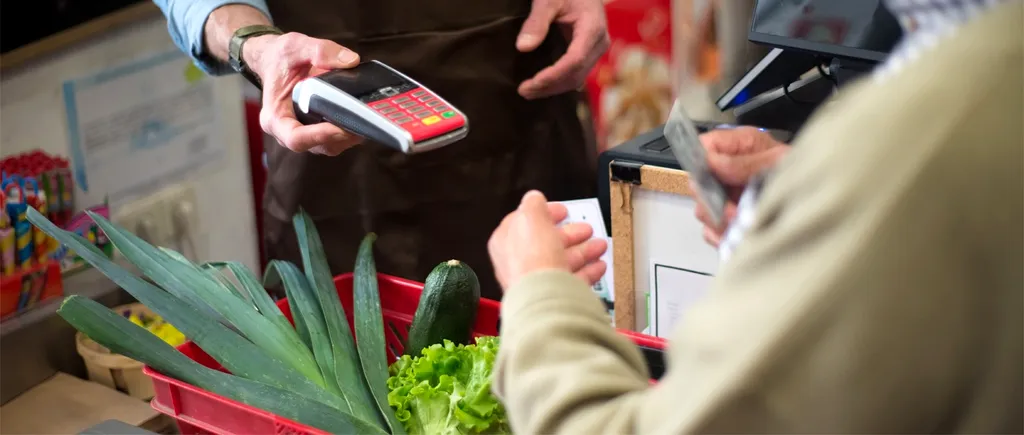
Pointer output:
653, 228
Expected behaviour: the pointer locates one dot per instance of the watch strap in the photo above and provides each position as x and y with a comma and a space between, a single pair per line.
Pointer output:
238, 39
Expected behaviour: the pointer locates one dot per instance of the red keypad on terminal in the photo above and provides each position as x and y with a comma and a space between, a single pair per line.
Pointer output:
420, 113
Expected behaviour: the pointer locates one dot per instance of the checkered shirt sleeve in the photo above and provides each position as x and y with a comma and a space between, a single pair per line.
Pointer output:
926, 23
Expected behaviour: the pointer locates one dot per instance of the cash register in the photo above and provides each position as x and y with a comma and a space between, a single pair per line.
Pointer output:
623, 162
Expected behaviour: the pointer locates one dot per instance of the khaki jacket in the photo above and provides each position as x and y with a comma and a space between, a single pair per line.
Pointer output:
880, 290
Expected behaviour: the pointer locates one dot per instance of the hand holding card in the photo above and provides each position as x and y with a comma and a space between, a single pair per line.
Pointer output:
682, 135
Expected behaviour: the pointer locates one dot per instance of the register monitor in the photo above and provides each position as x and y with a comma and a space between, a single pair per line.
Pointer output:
861, 30
851, 35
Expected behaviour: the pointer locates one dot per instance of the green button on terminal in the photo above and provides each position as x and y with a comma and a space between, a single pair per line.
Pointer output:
448, 114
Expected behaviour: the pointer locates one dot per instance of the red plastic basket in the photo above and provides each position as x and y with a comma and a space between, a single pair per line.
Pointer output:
200, 412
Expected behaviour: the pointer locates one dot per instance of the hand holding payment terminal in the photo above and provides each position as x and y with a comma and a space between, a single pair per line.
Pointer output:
374, 101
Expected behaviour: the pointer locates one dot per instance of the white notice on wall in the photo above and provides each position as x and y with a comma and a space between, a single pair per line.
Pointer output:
589, 211
135, 127
674, 290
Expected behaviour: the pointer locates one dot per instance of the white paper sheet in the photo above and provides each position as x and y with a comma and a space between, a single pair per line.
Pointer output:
135, 127
674, 290
589, 211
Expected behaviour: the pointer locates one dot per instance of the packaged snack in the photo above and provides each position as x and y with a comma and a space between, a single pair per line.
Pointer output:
631, 86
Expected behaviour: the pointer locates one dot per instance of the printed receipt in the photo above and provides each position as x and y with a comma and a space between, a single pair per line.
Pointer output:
589, 211
674, 290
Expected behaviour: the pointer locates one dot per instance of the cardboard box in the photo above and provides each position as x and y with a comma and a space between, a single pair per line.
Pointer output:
65, 404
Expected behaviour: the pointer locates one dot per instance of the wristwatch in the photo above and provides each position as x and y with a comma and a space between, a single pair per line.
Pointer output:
235, 49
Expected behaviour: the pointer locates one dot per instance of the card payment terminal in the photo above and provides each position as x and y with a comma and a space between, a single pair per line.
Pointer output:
379, 103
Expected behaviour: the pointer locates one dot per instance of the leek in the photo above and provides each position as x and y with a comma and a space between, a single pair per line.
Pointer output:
346, 368
170, 273
231, 350
126, 338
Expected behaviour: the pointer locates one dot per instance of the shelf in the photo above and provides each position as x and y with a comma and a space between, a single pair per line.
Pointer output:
88, 282
77, 34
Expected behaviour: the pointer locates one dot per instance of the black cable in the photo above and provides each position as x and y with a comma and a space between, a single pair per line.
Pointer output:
785, 90
829, 76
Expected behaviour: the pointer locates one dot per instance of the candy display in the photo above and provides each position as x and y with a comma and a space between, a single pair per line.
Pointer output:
84, 226
41, 181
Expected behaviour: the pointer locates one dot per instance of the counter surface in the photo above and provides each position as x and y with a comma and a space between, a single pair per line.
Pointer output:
37, 344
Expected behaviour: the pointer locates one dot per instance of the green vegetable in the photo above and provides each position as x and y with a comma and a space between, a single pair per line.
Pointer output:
370, 330
230, 349
307, 309
214, 271
124, 337
344, 360
316, 373
447, 308
447, 390
272, 278
257, 294
280, 342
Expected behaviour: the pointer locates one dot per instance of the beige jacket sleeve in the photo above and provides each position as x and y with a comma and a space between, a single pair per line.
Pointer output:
879, 291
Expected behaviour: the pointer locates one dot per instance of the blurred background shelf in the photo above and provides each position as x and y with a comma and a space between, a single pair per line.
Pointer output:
75, 22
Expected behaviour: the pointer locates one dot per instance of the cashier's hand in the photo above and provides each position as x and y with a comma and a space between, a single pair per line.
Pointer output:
735, 156
528, 240
583, 23
281, 61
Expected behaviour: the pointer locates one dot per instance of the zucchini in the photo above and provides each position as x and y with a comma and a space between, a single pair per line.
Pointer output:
447, 308
369, 324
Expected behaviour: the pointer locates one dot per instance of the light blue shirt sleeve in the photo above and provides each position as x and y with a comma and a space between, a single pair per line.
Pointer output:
185, 22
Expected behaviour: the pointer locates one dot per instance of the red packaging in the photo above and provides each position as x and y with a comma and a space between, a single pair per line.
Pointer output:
630, 88
28, 288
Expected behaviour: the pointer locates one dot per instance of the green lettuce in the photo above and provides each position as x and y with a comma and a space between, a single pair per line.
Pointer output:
447, 390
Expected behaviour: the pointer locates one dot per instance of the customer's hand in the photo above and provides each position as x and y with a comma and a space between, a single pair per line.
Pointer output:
528, 240
734, 156
281, 61
583, 22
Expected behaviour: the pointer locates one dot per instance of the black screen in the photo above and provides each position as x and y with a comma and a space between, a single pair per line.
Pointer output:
858, 29
365, 80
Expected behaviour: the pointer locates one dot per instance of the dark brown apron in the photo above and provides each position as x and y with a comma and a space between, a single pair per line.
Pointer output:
443, 204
